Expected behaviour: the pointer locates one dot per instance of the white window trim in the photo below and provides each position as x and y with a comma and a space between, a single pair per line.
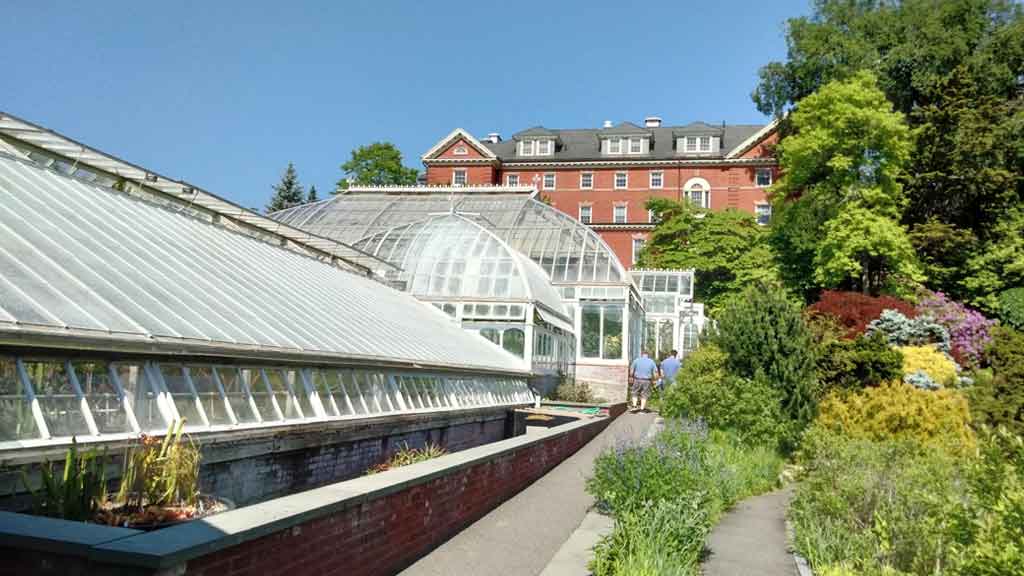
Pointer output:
758, 172
508, 179
544, 181
757, 216
650, 217
460, 150
615, 181
590, 213
625, 213
582, 187
700, 143
465, 176
522, 148
705, 185
550, 147
618, 145
651, 179
633, 242
639, 145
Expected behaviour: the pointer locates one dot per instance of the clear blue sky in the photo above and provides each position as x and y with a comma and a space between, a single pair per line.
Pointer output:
225, 94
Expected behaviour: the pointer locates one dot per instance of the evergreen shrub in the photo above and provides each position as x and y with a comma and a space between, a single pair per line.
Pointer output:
902, 412
1011, 307
901, 330
999, 400
854, 364
939, 367
854, 310
752, 409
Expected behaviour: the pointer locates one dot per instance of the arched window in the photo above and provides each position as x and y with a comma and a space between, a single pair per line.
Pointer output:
698, 192
491, 334
514, 341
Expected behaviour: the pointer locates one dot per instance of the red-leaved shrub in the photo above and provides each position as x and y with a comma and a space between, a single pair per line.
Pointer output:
854, 310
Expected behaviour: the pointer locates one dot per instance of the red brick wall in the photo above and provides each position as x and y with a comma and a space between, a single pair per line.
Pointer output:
475, 174
383, 536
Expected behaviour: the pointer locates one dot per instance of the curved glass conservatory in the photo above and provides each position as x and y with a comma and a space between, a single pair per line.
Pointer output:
459, 266
122, 311
596, 290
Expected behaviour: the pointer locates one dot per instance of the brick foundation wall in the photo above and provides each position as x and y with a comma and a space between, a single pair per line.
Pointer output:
384, 535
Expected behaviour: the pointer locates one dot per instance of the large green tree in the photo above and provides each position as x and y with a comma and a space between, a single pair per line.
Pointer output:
840, 197
377, 164
287, 192
727, 250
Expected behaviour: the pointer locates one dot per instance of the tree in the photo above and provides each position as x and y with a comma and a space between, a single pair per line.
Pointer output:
998, 264
943, 251
312, 197
378, 164
727, 250
287, 192
841, 173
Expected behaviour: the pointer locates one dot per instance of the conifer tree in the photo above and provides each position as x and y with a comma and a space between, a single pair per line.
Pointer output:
312, 197
287, 192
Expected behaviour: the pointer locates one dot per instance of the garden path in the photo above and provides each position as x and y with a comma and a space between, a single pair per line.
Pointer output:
751, 539
521, 536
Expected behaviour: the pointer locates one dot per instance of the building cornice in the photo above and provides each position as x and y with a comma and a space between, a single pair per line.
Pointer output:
626, 226
460, 161
618, 163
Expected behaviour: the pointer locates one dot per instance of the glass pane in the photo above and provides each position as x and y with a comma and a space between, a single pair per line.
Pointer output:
104, 401
612, 332
591, 330
323, 382
359, 405
372, 391
491, 334
514, 340
16, 421
231, 380
141, 397
62, 408
181, 393
206, 388
285, 400
261, 394
650, 336
666, 330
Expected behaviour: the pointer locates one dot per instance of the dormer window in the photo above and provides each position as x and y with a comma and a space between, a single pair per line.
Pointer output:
696, 144
615, 146
527, 148
534, 147
705, 143
691, 144
636, 145
544, 147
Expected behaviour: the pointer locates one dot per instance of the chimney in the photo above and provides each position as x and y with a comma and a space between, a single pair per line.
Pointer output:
607, 124
652, 122
494, 137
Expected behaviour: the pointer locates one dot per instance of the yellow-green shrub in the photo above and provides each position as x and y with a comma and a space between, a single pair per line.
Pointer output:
896, 410
939, 367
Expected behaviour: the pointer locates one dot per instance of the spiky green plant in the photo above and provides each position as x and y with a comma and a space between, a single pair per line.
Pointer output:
161, 472
78, 492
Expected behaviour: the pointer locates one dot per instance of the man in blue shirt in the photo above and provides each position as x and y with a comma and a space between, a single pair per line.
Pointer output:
642, 373
669, 368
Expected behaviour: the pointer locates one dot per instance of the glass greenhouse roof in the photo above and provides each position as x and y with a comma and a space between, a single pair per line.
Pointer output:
454, 256
87, 267
567, 251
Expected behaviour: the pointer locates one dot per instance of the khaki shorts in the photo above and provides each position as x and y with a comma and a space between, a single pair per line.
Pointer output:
641, 388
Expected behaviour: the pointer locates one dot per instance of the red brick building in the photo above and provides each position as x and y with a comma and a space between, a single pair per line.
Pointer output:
604, 176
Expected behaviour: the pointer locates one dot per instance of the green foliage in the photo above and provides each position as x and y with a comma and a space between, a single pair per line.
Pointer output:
161, 472
287, 192
874, 505
999, 263
78, 492
939, 367
751, 409
854, 364
727, 249
862, 249
999, 400
666, 496
942, 251
377, 164
900, 411
312, 196
902, 331
765, 337
1011, 307
407, 455
840, 181
574, 391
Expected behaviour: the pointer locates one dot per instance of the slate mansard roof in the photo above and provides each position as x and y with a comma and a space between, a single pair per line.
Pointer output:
576, 145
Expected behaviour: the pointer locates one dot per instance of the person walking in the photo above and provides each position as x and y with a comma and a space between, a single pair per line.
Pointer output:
669, 368
641, 374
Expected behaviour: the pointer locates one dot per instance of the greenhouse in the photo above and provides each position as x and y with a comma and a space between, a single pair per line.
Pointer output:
456, 264
124, 308
672, 320
595, 289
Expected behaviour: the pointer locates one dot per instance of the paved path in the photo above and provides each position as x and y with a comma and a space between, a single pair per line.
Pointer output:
521, 536
751, 539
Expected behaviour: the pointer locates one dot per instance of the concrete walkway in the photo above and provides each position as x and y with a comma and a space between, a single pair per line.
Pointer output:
751, 539
521, 536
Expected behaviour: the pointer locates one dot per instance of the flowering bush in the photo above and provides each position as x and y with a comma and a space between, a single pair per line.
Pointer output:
900, 330
969, 330
854, 310
926, 359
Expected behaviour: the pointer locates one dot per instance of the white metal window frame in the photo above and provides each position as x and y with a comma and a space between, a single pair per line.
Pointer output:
586, 180
456, 173
624, 208
657, 179
378, 395
549, 185
625, 180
